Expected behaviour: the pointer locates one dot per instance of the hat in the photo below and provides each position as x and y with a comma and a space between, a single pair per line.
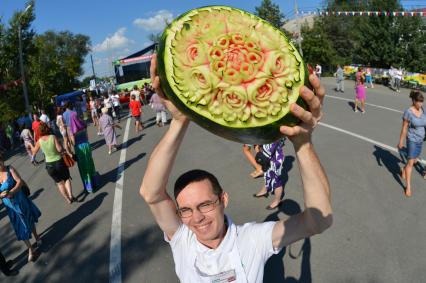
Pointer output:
105, 110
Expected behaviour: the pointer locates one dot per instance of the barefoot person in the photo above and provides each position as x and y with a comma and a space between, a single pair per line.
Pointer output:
413, 131
207, 246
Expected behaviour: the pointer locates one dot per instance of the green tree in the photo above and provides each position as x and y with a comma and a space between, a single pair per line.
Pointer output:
271, 13
57, 63
316, 46
12, 101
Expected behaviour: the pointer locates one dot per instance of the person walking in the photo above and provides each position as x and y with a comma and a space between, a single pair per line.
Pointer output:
136, 93
9, 131
136, 112
35, 127
44, 118
318, 70
55, 165
22, 212
86, 166
116, 104
369, 78
398, 79
413, 132
273, 184
63, 129
340, 81
28, 139
251, 158
360, 90
160, 110
108, 129
66, 118
93, 112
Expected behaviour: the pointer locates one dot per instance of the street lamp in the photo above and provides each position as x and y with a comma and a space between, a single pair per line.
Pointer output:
21, 61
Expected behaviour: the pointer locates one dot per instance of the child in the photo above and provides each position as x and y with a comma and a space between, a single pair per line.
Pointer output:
136, 111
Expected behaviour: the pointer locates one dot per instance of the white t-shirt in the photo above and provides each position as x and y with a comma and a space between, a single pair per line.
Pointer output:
44, 118
136, 93
115, 100
318, 69
242, 254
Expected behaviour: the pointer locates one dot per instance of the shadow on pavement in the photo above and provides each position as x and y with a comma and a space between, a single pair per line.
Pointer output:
97, 144
58, 230
391, 162
141, 247
55, 234
274, 268
352, 105
35, 194
131, 141
112, 177
287, 166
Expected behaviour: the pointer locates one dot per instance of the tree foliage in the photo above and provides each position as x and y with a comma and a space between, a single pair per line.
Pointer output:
57, 63
382, 41
271, 13
52, 62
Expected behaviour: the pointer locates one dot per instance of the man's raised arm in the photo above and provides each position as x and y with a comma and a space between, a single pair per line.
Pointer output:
317, 215
154, 184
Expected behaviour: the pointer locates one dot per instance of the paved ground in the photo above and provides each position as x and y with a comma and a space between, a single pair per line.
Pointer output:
377, 234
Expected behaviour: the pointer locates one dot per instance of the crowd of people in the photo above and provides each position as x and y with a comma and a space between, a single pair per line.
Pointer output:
63, 142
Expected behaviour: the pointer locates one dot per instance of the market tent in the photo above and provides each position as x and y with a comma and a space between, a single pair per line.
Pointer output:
72, 96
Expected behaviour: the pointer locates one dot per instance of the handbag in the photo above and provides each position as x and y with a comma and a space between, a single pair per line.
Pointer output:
263, 159
68, 160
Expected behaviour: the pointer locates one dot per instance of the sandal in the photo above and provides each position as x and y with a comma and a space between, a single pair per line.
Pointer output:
260, 196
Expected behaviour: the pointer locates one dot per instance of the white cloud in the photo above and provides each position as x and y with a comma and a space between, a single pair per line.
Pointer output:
117, 40
156, 22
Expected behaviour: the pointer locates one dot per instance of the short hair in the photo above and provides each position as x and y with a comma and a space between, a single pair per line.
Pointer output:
196, 175
135, 87
133, 97
416, 95
44, 129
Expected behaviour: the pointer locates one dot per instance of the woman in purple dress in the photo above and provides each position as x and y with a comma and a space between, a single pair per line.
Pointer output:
273, 183
108, 128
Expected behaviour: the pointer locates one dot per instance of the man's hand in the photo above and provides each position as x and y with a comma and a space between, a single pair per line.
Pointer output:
155, 80
301, 134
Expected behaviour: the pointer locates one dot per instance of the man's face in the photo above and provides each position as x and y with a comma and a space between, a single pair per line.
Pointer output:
206, 226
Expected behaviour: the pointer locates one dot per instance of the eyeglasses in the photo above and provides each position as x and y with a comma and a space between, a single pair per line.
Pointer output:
203, 208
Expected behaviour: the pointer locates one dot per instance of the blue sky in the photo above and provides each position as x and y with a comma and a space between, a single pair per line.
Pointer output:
119, 28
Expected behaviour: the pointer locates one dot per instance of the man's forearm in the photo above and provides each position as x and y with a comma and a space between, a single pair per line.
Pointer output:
316, 188
161, 161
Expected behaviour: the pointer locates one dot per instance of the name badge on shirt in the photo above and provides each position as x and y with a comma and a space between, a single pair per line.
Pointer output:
227, 276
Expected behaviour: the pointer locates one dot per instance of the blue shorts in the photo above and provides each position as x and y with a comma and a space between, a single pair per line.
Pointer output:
414, 149
368, 79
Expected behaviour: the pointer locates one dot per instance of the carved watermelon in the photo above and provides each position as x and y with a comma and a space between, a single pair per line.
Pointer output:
231, 72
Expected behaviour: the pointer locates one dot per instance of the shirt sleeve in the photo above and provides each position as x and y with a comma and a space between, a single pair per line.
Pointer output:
406, 115
258, 237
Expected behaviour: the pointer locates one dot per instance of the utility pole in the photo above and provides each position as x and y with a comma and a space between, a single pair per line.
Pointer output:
21, 62
93, 68
299, 35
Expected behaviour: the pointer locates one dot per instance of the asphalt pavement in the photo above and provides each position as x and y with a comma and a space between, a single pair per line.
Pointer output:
377, 234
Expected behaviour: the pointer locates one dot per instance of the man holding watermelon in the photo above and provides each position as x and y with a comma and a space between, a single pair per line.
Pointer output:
207, 246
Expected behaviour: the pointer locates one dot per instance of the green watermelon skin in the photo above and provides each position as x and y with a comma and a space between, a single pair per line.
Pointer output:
263, 134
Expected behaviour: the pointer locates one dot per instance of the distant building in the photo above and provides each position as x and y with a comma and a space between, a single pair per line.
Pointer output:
292, 25
135, 66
